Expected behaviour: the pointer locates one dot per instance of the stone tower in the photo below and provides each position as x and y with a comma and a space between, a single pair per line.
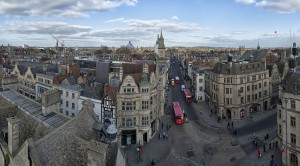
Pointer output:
161, 46
13, 134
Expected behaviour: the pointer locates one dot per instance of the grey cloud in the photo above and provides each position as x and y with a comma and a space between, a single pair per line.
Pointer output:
280, 6
20, 27
59, 8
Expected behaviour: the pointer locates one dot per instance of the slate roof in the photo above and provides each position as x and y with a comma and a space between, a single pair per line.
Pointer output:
289, 80
257, 55
33, 109
280, 67
71, 80
94, 92
67, 145
136, 70
237, 68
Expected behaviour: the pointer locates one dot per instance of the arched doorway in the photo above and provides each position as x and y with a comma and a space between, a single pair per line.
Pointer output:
293, 159
228, 114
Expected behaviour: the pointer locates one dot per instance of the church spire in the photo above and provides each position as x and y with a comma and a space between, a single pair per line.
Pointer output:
258, 46
161, 36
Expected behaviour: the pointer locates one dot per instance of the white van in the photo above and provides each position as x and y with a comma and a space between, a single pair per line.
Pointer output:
182, 87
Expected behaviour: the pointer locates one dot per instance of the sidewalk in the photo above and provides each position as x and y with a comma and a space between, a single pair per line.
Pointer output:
212, 119
156, 149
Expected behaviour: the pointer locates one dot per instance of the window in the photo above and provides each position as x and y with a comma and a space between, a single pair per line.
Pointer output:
259, 77
248, 98
73, 115
151, 115
200, 80
128, 89
40, 79
145, 120
67, 104
241, 80
241, 89
293, 106
228, 80
73, 95
255, 96
200, 88
248, 78
248, 88
29, 76
265, 92
67, 93
293, 121
242, 100
259, 95
129, 122
144, 90
73, 106
67, 113
128, 106
151, 100
293, 138
279, 114
265, 84
259, 85
279, 130
123, 122
145, 105
254, 78
228, 90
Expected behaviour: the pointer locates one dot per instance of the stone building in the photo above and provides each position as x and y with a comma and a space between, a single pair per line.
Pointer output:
137, 106
238, 89
288, 114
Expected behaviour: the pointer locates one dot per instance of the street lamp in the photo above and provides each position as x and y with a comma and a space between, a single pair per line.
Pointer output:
286, 109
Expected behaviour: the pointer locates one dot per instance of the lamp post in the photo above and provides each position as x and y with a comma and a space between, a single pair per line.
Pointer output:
286, 109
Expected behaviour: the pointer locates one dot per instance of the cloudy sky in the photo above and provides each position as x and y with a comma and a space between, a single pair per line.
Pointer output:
227, 23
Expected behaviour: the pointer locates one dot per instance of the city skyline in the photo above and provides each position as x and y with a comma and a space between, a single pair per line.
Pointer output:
214, 23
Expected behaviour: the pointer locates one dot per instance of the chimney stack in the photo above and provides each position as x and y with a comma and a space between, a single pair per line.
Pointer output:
13, 134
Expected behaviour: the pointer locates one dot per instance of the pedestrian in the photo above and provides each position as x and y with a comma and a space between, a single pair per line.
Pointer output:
270, 146
264, 148
228, 125
167, 136
162, 125
170, 127
152, 162
231, 124
256, 143
272, 156
276, 144
164, 134
258, 153
216, 112
235, 132
211, 111
167, 127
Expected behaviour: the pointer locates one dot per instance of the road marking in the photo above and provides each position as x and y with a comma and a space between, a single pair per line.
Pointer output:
179, 157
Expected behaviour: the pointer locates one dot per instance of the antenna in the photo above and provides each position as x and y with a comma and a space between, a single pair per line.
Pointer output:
291, 38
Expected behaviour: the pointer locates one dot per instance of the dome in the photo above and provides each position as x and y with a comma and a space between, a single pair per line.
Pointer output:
111, 129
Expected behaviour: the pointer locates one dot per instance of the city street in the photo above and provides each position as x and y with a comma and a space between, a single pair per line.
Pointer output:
194, 143
197, 143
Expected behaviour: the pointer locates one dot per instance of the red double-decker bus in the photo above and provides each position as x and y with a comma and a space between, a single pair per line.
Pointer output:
178, 113
187, 95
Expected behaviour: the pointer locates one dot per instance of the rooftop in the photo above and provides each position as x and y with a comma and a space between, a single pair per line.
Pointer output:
33, 109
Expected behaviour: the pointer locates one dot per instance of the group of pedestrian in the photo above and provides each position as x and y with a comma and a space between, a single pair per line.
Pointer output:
228, 125
164, 134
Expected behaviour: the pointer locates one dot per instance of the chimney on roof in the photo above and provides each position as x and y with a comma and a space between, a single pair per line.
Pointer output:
121, 73
13, 134
45, 68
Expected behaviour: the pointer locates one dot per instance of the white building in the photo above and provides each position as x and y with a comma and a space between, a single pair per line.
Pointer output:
69, 98
199, 82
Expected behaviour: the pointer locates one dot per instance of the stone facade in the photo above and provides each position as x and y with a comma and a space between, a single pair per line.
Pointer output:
288, 116
27, 82
137, 109
238, 90
51, 100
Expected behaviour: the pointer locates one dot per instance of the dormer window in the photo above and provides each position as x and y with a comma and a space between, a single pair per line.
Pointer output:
145, 90
297, 87
128, 89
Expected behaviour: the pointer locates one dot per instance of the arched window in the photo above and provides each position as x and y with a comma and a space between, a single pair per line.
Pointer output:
129, 122
294, 159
